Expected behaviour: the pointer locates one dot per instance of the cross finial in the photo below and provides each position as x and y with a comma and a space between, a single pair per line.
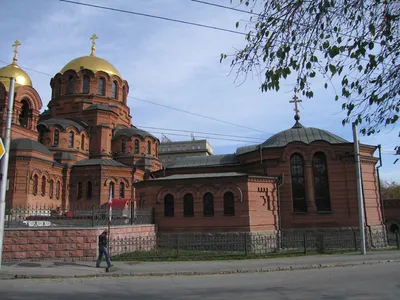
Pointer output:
15, 45
94, 37
296, 109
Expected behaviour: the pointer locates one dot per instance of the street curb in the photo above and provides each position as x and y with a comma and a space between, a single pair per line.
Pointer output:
190, 273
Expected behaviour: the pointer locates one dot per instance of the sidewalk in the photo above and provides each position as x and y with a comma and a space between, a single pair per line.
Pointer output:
59, 269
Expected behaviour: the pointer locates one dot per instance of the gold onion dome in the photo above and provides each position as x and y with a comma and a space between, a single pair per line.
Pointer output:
91, 62
13, 70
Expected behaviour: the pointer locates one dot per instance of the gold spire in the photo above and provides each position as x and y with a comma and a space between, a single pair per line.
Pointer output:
15, 45
94, 37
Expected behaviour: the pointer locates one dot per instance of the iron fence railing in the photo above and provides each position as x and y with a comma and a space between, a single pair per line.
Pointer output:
164, 246
77, 216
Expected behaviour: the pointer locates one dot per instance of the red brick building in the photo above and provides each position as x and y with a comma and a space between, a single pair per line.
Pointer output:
300, 178
83, 143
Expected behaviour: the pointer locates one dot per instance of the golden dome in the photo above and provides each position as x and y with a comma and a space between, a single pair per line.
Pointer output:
91, 62
13, 70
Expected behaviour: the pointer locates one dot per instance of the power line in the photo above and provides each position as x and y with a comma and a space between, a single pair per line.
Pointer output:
153, 16
226, 7
200, 132
174, 108
6, 63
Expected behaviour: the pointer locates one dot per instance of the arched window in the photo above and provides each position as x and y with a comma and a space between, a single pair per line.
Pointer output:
122, 190
298, 183
114, 91
51, 189
188, 206
43, 185
58, 190
394, 228
136, 146
229, 204
79, 194
24, 114
59, 85
321, 184
101, 88
86, 84
70, 85
35, 184
124, 95
123, 146
71, 139
56, 137
83, 142
41, 137
169, 206
148, 147
208, 205
112, 185
89, 190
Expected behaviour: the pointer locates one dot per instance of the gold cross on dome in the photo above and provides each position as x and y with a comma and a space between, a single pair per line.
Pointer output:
16, 45
296, 109
94, 37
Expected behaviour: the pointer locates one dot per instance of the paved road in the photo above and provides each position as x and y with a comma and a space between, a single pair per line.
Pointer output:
359, 282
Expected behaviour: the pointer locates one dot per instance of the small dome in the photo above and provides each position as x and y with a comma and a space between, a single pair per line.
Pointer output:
130, 132
92, 63
28, 144
13, 70
299, 133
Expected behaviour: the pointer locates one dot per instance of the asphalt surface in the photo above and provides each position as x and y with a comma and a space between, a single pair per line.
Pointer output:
65, 269
380, 281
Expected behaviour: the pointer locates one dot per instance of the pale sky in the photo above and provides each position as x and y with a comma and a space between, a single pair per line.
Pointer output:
172, 64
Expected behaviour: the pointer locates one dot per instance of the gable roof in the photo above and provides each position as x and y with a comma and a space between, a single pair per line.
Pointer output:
204, 161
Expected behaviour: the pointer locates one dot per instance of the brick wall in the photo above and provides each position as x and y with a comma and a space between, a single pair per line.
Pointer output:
63, 243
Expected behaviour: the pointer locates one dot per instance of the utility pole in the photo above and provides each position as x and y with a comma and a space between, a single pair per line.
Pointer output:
361, 217
4, 163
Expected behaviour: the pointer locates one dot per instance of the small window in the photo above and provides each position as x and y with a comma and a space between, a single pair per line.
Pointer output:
43, 185
122, 190
136, 146
124, 95
193, 147
79, 196
112, 185
229, 204
41, 137
83, 142
162, 149
56, 137
169, 149
51, 189
59, 85
70, 85
101, 89
183, 148
35, 184
58, 190
188, 207
208, 205
169, 205
148, 147
89, 190
114, 91
86, 84
123, 146
71, 139
24, 115
198, 147
178, 148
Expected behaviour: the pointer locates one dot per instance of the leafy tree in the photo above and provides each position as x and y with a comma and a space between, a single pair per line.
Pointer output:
355, 41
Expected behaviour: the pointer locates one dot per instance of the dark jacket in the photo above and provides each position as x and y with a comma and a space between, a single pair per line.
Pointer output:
103, 240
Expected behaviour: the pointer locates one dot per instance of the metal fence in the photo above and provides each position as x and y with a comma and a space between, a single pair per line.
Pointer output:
180, 246
77, 216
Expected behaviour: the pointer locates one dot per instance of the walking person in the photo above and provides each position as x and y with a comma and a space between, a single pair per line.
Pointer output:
103, 244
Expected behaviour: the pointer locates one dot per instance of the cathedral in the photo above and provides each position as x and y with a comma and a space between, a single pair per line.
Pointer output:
84, 145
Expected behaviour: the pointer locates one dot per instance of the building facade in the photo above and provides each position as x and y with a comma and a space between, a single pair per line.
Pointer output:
171, 151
